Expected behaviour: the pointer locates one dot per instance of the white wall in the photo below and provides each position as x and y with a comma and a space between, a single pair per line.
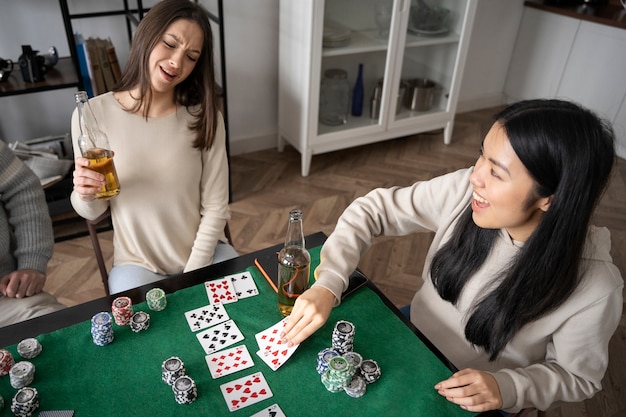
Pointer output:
491, 46
251, 39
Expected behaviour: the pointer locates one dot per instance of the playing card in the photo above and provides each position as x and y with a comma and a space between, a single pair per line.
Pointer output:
271, 411
246, 391
229, 361
244, 285
272, 350
220, 291
276, 356
271, 335
219, 336
207, 316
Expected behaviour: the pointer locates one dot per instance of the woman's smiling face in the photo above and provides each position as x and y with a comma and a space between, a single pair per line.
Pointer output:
504, 191
175, 55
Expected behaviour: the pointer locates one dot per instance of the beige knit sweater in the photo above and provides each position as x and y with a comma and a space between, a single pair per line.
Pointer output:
561, 357
173, 203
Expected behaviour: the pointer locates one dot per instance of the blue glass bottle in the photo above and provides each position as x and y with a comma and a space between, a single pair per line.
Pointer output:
357, 94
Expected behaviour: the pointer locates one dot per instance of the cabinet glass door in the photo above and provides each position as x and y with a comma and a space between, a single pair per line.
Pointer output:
356, 32
431, 40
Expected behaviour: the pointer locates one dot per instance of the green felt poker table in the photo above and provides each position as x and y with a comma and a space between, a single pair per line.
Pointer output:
124, 377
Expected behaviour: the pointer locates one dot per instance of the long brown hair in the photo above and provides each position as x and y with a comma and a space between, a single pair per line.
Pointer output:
198, 90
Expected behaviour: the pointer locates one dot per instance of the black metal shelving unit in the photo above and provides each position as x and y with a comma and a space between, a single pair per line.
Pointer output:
66, 74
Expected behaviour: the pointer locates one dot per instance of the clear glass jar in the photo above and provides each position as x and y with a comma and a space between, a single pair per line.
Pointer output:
334, 97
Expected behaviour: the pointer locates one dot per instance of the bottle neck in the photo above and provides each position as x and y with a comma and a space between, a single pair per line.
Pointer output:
295, 233
91, 135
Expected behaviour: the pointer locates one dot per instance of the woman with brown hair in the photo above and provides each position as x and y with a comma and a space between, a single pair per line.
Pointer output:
168, 136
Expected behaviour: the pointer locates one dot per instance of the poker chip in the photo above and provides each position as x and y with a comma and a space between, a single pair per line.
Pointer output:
172, 369
357, 387
343, 369
185, 390
140, 321
29, 348
331, 385
354, 358
102, 329
25, 402
1, 403
323, 357
370, 371
156, 299
6, 362
343, 337
122, 309
22, 374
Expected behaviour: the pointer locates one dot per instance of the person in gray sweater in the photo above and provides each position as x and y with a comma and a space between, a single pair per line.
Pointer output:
519, 290
26, 242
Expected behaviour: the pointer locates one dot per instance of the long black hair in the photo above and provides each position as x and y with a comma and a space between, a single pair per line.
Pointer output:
198, 89
569, 152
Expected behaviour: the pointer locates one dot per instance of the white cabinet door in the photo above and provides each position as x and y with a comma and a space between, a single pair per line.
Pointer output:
595, 75
404, 51
541, 51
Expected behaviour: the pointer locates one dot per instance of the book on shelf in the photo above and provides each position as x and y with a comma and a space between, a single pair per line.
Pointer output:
112, 56
98, 83
105, 65
100, 61
83, 63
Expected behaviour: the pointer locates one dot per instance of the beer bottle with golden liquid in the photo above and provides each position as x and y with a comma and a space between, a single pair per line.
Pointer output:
94, 145
294, 264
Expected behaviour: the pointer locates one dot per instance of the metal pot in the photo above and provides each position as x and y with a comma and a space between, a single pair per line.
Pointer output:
420, 94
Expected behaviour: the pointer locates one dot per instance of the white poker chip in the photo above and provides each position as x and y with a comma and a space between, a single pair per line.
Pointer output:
22, 374
29, 348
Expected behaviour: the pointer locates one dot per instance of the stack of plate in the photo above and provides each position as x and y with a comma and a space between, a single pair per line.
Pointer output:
336, 37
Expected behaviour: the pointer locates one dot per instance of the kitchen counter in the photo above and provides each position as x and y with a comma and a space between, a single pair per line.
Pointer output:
611, 14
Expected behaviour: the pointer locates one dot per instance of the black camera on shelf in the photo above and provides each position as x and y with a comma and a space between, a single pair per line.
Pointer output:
35, 66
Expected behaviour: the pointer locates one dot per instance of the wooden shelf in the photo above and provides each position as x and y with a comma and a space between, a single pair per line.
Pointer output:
62, 75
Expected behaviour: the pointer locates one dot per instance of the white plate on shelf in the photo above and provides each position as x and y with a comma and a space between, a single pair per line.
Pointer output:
429, 32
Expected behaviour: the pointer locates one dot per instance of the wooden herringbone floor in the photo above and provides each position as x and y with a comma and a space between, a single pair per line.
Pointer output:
267, 184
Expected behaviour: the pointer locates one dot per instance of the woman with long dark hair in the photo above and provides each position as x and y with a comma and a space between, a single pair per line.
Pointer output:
519, 290
163, 124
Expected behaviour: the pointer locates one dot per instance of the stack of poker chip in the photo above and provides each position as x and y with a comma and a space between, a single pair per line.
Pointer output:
341, 368
323, 358
29, 348
172, 369
185, 390
156, 299
357, 386
6, 362
25, 402
22, 374
370, 371
102, 328
343, 337
139, 322
354, 358
122, 309
338, 375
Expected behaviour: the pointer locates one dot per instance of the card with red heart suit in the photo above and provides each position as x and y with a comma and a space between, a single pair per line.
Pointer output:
229, 361
221, 291
246, 391
272, 350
